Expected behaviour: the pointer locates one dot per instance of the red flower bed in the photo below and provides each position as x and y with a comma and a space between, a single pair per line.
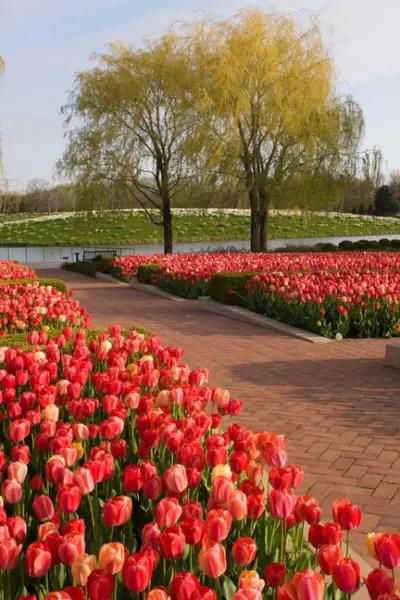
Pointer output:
13, 270
363, 304
333, 294
117, 479
195, 266
27, 307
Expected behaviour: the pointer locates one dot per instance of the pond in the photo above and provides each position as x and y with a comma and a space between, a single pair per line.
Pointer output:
59, 254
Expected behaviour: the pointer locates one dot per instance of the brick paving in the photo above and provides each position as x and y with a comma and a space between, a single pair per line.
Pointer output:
338, 403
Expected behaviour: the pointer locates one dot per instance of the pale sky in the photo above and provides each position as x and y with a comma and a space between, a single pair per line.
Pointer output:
44, 42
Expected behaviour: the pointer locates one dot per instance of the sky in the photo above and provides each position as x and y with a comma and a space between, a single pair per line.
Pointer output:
45, 42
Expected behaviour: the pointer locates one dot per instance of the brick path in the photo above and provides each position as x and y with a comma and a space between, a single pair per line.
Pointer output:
337, 403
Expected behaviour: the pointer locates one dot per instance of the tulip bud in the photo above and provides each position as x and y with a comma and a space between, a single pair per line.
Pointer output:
275, 574
346, 575
212, 559
137, 572
244, 551
183, 585
100, 585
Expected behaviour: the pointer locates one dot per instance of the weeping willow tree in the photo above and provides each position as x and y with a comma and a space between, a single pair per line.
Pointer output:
274, 112
128, 122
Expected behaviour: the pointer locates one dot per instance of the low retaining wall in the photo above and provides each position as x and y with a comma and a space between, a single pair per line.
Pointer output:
246, 316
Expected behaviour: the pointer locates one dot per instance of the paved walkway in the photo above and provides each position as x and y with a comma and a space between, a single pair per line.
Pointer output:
337, 403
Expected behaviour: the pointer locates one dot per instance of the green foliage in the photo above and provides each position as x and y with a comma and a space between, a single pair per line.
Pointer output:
228, 288
123, 227
58, 284
89, 267
146, 273
385, 203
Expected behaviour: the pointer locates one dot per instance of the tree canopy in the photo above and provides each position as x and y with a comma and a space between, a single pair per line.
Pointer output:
275, 111
253, 100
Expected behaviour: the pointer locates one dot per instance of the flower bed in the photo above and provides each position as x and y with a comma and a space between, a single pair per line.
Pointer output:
32, 306
334, 304
118, 480
13, 270
334, 294
197, 267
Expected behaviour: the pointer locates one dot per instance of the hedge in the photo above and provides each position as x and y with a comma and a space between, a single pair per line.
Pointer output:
228, 288
146, 272
58, 284
89, 267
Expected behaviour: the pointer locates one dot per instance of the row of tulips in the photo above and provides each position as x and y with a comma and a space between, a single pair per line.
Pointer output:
200, 267
334, 304
333, 294
31, 306
13, 270
120, 479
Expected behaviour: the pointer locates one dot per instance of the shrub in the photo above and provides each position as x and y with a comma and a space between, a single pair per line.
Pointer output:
346, 245
229, 288
328, 247
146, 273
384, 242
89, 267
395, 243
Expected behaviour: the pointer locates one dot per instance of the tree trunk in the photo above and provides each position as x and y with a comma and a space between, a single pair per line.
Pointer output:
167, 225
263, 229
255, 222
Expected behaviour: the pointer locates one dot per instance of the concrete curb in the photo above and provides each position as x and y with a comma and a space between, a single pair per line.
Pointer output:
109, 278
155, 291
246, 316
392, 355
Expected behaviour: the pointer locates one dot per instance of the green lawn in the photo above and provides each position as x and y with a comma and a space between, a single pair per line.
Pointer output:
134, 228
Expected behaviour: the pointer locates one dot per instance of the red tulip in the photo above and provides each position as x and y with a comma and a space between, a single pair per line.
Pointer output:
168, 512
37, 560
11, 491
328, 557
150, 534
203, 593
346, 575
83, 478
132, 478
9, 552
175, 479
69, 498
244, 551
100, 585
193, 530
387, 548
281, 503
117, 511
379, 583
172, 543
237, 505
218, 524
17, 529
183, 585
275, 574
212, 559
137, 572
347, 515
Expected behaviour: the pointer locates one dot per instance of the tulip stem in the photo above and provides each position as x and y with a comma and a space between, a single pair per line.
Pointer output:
393, 582
9, 584
347, 543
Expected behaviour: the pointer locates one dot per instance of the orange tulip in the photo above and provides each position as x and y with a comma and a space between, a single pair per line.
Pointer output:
112, 557
81, 568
